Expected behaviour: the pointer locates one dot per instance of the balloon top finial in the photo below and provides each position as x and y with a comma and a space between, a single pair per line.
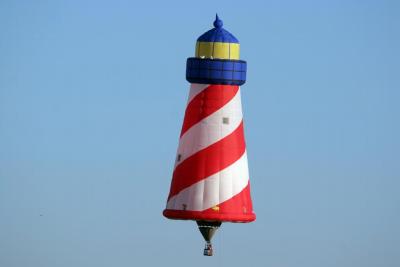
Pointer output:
217, 34
218, 23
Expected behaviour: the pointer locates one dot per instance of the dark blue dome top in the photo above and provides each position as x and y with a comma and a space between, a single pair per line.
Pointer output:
218, 34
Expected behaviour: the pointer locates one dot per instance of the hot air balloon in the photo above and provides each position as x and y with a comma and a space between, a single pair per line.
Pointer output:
210, 182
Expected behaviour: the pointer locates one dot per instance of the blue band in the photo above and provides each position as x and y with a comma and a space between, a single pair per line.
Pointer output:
216, 71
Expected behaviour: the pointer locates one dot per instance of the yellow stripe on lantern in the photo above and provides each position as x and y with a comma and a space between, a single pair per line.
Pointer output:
217, 50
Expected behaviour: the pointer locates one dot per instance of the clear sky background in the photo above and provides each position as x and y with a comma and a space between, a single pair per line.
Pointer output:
92, 97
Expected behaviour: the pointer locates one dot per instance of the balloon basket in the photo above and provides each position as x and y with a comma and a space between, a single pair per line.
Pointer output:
208, 250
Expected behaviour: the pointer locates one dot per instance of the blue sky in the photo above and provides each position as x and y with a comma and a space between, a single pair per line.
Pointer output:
92, 95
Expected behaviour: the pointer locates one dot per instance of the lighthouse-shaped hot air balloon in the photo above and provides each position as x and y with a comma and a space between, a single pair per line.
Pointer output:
210, 182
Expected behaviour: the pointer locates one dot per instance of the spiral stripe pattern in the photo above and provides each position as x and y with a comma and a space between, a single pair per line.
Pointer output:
210, 178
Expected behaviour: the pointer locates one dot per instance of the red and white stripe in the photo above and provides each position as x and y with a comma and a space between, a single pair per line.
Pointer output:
211, 166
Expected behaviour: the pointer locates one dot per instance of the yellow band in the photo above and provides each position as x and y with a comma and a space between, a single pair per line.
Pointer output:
217, 50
